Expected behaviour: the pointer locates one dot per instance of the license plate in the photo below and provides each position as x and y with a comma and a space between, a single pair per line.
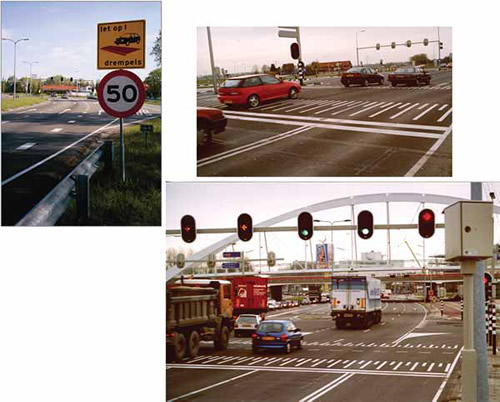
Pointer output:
247, 325
268, 338
348, 315
349, 75
228, 101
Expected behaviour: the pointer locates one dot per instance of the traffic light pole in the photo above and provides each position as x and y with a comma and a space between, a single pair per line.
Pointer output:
469, 380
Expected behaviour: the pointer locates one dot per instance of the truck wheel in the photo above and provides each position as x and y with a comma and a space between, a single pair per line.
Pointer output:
223, 340
193, 344
179, 346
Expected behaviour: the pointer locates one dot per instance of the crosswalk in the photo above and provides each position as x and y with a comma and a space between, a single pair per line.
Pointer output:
142, 112
364, 110
381, 365
364, 345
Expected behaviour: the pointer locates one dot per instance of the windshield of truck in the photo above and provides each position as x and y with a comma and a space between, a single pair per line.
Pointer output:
349, 283
271, 327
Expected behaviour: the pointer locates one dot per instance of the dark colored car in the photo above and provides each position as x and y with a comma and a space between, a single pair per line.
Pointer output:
64, 96
53, 95
409, 76
210, 121
361, 76
277, 334
252, 90
127, 39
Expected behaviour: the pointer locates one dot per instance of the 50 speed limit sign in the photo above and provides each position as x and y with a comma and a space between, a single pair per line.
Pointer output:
121, 93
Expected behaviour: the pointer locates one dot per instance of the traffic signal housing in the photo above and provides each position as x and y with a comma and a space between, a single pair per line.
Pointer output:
188, 228
245, 227
426, 223
305, 226
441, 45
365, 224
393, 45
295, 50
377, 46
408, 43
426, 42
488, 282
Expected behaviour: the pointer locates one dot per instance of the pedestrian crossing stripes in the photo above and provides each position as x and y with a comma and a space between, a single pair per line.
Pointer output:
361, 345
389, 365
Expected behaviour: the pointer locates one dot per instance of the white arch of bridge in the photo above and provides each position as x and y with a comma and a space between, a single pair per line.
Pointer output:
321, 206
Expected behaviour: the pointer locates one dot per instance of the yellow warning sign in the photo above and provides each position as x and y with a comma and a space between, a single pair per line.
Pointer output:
121, 45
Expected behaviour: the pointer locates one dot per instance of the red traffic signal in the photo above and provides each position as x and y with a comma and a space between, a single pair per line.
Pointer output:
188, 228
488, 281
426, 223
365, 224
295, 51
305, 226
245, 227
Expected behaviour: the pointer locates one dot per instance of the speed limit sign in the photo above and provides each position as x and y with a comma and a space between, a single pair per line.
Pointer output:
121, 93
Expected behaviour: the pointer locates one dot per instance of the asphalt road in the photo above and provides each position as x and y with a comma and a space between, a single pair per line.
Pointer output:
335, 131
42, 143
406, 357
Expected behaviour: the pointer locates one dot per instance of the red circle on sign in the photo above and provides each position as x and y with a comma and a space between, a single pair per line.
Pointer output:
140, 98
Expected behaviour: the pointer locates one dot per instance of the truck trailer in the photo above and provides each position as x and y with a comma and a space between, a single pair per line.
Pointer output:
198, 310
355, 301
249, 295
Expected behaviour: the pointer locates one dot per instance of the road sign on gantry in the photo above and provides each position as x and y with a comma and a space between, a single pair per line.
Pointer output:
121, 45
121, 93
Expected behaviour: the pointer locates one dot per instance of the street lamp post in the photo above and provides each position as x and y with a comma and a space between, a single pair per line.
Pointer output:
30, 63
15, 44
331, 234
357, 47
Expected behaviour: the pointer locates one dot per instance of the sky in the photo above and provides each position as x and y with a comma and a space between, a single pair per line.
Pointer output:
63, 36
239, 49
217, 205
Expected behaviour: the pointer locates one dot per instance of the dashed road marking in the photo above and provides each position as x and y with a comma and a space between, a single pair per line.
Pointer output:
25, 146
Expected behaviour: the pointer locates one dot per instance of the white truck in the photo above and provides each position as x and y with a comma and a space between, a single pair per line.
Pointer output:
355, 301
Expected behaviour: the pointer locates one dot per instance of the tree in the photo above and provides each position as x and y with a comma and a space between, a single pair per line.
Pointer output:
420, 59
265, 68
153, 81
156, 51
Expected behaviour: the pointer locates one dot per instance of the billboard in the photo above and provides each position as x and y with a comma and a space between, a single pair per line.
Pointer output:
324, 255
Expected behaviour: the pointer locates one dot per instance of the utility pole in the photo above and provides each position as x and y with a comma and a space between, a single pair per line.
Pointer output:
31, 63
15, 45
439, 51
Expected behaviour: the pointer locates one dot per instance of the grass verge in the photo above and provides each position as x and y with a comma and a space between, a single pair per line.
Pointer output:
135, 202
153, 101
8, 103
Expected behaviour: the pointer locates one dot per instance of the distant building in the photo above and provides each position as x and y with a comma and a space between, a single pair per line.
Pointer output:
61, 89
330, 66
372, 256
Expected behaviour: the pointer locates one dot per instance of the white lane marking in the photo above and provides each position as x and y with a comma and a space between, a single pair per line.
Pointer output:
197, 359
266, 107
447, 367
315, 107
351, 363
403, 111
71, 121
212, 386
227, 360
430, 367
302, 362
272, 361
424, 364
381, 365
425, 111
370, 107
397, 365
64, 111
327, 388
300, 106
403, 105
5, 121
333, 364
366, 364
444, 116
407, 364
340, 104
241, 361
212, 359
415, 168
401, 338
446, 378
384, 110
440, 365
99, 112
443, 107
321, 361
25, 146
354, 105
55, 130
258, 360
413, 367
424, 105
289, 361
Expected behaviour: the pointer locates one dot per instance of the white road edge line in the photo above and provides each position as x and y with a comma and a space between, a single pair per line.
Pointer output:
328, 387
447, 377
212, 386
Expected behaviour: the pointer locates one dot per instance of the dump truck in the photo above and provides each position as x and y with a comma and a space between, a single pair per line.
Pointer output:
355, 301
198, 310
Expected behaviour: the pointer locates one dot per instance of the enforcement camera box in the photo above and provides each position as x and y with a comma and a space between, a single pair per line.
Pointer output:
468, 230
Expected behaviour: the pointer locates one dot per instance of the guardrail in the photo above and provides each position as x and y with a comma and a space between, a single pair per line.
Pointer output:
75, 185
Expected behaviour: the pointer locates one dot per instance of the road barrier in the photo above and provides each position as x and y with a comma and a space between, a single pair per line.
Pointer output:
74, 186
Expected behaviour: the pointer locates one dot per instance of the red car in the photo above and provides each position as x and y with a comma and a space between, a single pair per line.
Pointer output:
210, 121
409, 76
251, 90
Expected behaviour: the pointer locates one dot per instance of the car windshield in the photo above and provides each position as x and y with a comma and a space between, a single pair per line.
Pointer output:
354, 70
406, 70
231, 83
271, 327
246, 320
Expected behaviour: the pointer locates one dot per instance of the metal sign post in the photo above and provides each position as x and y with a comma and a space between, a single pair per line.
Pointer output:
122, 151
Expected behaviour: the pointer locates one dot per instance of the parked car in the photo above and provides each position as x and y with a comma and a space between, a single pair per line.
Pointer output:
127, 39
305, 301
64, 96
53, 95
246, 324
409, 76
277, 334
361, 76
252, 90
210, 121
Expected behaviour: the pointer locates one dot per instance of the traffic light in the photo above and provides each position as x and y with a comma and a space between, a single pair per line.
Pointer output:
71, 79
408, 43
393, 45
441, 45
62, 79
365, 224
426, 42
377, 46
426, 223
211, 260
180, 260
305, 226
245, 227
271, 259
295, 50
188, 228
488, 281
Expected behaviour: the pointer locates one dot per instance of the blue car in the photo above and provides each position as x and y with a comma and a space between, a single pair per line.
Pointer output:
277, 334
